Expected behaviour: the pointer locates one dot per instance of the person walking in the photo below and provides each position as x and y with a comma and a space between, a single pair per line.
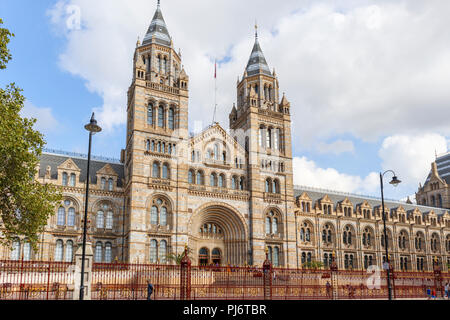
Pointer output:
149, 290
447, 293
328, 290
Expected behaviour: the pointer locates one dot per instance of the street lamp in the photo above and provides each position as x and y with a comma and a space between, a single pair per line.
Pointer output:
395, 182
93, 128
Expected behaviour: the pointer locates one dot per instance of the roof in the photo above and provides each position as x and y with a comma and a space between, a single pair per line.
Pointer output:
335, 196
54, 160
158, 30
443, 166
257, 63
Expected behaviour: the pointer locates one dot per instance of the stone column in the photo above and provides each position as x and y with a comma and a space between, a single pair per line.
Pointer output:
89, 258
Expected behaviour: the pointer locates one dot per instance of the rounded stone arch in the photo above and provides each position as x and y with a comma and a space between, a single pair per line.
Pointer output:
96, 207
331, 227
390, 235
305, 224
278, 214
368, 236
435, 240
79, 210
233, 245
348, 235
403, 238
167, 202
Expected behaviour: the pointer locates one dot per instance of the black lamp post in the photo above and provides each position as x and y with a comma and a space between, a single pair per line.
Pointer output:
93, 128
395, 182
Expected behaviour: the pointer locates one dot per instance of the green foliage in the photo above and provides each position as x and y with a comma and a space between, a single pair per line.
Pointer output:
5, 36
177, 258
315, 265
25, 204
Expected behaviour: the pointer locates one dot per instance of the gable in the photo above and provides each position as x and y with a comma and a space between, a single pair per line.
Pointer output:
69, 164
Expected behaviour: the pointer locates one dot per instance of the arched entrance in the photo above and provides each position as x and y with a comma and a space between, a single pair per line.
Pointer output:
218, 236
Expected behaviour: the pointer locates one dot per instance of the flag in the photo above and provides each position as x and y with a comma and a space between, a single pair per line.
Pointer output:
215, 69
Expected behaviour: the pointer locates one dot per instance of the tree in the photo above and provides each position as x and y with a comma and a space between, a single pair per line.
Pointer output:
314, 265
25, 204
177, 258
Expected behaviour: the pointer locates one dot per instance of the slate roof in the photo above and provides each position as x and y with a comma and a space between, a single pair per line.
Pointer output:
257, 63
336, 197
54, 160
158, 29
443, 166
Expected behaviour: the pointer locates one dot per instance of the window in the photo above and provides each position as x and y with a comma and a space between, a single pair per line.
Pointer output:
15, 251
171, 119
234, 183
108, 252
213, 180
242, 184
163, 220
269, 138
162, 252
61, 216
161, 116
98, 252
191, 177
200, 178
276, 256
221, 181
110, 184
268, 225
103, 184
268, 184
153, 251
71, 217
109, 220
275, 225
64, 179
150, 114
165, 174
59, 251
327, 235
155, 173
72, 179
154, 216
27, 251
69, 251
100, 220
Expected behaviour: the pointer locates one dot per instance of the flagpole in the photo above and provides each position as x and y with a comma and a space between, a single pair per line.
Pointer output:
215, 91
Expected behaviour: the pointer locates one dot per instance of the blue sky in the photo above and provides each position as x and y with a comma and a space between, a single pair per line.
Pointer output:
363, 77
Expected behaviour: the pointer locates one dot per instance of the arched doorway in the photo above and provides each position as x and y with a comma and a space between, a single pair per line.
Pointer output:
219, 235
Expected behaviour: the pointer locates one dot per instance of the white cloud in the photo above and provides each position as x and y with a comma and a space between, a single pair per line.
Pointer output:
410, 156
45, 121
337, 147
307, 173
367, 68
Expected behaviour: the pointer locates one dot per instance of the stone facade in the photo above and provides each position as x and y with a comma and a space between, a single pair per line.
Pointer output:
228, 195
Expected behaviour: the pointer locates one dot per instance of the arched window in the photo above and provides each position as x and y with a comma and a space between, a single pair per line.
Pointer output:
171, 119
163, 218
199, 178
213, 180
26, 251
155, 173
161, 116
165, 174
59, 251
110, 184
109, 220
276, 137
191, 177
98, 252
269, 138
71, 217
150, 114
153, 251
162, 252
69, 251
275, 225
242, 183
234, 183
276, 256
268, 185
103, 184
100, 220
72, 179
268, 225
260, 137
108, 252
61, 216
15, 250
64, 179
154, 216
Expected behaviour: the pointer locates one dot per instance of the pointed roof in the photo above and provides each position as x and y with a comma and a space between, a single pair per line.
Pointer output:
157, 32
257, 63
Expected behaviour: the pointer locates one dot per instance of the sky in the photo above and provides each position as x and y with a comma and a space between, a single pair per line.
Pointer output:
368, 81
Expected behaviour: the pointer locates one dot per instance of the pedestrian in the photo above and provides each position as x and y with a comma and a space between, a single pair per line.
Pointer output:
149, 290
328, 290
433, 294
429, 293
447, 293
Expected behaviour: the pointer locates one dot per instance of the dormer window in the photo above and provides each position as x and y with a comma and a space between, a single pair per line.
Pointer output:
103, 184
72, 180
110, 184
64, 178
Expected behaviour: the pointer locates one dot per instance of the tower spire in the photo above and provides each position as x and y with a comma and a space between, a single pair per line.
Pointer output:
158, 32
257, 63
256, 29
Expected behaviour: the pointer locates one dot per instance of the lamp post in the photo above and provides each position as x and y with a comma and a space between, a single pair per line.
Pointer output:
93, 128
395, 182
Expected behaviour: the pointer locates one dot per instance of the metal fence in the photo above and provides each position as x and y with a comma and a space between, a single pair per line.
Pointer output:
23, 280
33, 280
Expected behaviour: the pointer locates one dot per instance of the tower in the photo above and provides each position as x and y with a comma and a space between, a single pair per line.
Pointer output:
263, 124
157, 128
